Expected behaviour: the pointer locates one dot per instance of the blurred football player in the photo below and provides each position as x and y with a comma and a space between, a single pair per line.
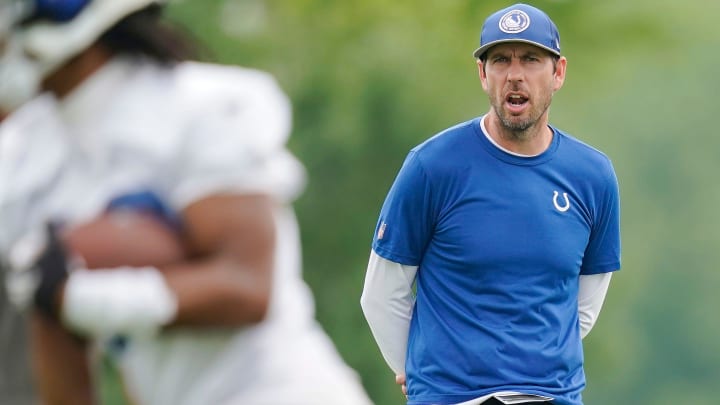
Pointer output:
122, 120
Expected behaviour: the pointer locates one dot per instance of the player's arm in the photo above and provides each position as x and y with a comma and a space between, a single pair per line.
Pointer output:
229, 284
60, 363
231, 241
591, 295
225, 282
387, 302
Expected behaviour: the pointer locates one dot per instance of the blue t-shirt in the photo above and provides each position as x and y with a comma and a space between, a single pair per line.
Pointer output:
500, 241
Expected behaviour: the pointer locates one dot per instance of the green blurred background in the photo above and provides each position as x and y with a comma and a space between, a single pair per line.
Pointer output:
370, 79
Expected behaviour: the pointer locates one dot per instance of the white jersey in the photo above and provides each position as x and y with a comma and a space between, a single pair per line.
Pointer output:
184, 133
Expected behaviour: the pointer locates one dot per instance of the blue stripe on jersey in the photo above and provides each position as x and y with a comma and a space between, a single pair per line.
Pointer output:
500, 241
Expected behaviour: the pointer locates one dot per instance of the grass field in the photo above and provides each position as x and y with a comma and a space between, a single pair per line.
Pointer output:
111, 390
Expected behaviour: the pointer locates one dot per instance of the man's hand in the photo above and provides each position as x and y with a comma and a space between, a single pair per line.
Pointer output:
38, 268
400, 380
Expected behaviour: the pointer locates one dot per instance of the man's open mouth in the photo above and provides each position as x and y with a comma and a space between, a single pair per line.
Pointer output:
516, 99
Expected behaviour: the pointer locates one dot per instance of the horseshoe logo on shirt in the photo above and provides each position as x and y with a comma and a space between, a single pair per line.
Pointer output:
557, 206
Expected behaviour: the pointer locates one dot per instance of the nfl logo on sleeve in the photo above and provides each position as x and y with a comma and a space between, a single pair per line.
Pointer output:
381, 231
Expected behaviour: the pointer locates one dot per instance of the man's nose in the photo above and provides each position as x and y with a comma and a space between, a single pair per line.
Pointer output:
515, 71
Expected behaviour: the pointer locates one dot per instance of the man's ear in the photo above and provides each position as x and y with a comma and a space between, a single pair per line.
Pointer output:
560, 69
481, 74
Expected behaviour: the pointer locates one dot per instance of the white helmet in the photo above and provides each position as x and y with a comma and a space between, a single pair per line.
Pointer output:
41, 35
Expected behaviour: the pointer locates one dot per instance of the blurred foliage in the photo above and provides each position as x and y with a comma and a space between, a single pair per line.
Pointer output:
371, 79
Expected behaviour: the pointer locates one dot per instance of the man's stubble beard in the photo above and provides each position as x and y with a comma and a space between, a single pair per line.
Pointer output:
518, 129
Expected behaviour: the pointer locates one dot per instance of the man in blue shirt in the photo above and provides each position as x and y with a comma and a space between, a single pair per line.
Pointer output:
509, 230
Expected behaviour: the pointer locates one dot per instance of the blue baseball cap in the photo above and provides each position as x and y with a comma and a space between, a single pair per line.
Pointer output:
519, 23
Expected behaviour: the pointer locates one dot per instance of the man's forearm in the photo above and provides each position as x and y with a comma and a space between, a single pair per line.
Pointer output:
591, 295
387, 302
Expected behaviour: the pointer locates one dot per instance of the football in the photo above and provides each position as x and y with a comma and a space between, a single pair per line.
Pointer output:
123, 238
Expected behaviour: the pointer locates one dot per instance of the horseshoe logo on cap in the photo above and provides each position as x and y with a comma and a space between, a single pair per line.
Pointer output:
514, 21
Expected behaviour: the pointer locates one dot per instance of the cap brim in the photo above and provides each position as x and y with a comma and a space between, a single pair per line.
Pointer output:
478, 52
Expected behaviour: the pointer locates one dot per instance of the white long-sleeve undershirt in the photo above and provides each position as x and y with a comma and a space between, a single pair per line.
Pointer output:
387, 302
